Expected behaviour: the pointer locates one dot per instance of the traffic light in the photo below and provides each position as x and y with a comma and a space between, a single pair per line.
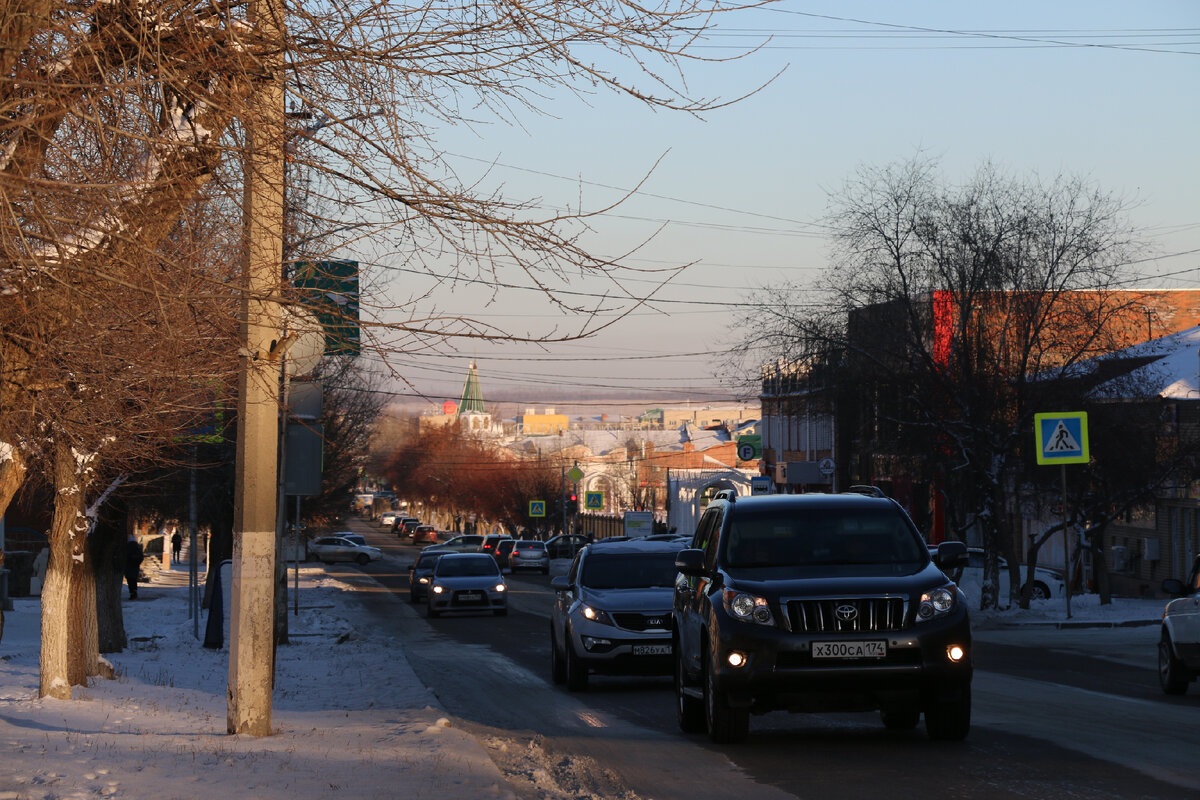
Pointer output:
573, 505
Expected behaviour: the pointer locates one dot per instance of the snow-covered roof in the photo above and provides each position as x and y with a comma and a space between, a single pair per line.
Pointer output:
1167, 367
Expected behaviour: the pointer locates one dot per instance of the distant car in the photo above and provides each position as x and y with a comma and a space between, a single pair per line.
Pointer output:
566, 545
421, 572
490, 543
1179, 643
425, 534
529, 554
387, 518
357, 538
503, 551
612, 612
339, 548
1047, 582
405, 527
467, 582
467, 543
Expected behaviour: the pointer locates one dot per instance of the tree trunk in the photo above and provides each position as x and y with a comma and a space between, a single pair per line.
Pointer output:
108, 558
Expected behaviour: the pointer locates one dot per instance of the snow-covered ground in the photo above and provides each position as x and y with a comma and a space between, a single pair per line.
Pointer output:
351, 717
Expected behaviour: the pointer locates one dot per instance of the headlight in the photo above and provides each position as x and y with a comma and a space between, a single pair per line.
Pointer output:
748, 607
423, 580
937, 603
595, 615
438, 589
500, 587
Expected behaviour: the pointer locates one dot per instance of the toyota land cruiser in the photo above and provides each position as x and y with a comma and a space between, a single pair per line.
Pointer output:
819, 603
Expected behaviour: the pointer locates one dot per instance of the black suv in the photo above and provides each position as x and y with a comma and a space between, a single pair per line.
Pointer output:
819, 603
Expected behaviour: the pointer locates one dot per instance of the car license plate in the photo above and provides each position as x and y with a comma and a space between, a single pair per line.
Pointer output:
870, 649
470, 597
652, 649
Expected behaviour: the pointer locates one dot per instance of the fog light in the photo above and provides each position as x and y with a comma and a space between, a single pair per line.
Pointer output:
736, 659
955, 653
590, 643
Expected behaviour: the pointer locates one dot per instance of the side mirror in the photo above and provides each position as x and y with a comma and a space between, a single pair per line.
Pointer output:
1173, 587
951, 555
560, 583
690, 562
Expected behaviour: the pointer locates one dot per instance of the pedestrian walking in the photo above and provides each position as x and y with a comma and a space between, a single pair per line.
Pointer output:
133, 564
176, 546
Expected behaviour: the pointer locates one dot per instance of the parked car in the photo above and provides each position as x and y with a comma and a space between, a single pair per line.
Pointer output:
529, 554
825, 602
491, 542
420, 572
1047, 582
467, 582
503, 550
357, 538
425, 534
612, 612
566, 545
1179, 642
387, 519
339, 548
466, 543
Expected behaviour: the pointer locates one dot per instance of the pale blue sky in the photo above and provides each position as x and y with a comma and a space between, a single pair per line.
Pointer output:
742, 192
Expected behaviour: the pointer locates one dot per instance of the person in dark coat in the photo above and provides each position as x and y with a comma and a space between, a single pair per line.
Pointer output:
176, 546
133, 564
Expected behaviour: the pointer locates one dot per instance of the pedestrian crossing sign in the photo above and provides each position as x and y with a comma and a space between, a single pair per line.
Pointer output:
537, 508
593, 501
1062, 437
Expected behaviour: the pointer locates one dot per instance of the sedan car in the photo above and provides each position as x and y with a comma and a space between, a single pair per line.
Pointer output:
1179, 642
420, 573
1047, 582
529, 554
503, 551
612, 612
387, 518
468, 543
338, 548
566, 545
467, 582
425, 534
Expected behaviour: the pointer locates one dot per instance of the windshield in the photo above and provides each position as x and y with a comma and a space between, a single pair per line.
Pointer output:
628, 571
429, 559
827, 536
467, 567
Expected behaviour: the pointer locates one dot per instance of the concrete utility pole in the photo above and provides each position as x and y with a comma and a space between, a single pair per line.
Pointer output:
252, 612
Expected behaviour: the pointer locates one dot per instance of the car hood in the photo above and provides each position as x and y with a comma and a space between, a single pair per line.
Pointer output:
652, 599
775, 582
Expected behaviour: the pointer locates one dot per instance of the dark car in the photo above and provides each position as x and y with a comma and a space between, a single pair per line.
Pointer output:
490, 543
612, 612
566, 545
421, 572
819, 602
502, 551
399, 527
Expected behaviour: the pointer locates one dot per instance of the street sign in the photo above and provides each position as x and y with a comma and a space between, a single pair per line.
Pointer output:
826, 466
1061, 437
330, 288
593, 501
575, 474
537, 508
749, 447
760, 484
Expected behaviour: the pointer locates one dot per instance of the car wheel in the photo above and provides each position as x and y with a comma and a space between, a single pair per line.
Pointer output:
363, 559
900, 720
577, 674
689, 711
726, 724
558, 668
950, 721
1040, 591
1173, 675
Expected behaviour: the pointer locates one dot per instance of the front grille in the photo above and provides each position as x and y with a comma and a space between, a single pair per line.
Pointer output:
846, 614
631, 621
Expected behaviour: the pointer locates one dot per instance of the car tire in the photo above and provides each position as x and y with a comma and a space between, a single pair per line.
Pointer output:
689, 711
1173, 674
558, 667
1040, 591
950, 721
726, 724
577, 674
900, 720
363, 559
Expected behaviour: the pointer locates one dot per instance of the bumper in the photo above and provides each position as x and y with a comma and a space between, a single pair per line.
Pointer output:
613, 651
780, 672
450, 602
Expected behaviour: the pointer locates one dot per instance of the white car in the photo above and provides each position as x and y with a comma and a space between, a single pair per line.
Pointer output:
1047, 582
339, 548
387, 518
1179, 645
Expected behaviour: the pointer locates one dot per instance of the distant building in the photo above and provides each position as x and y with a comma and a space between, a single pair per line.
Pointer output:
470, 412
547, 423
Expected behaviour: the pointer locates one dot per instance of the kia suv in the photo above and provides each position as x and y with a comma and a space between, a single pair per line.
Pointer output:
612, 612
819, 603
1179, 642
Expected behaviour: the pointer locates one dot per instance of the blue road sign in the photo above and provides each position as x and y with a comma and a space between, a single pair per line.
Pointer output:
1062, 437
537, 508
593, 501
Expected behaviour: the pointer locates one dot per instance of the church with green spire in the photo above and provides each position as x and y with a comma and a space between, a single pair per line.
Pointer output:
471, 412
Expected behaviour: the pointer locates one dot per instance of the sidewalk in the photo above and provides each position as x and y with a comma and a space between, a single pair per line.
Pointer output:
351, 718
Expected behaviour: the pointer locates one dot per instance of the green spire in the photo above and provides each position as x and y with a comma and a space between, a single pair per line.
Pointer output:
472, 397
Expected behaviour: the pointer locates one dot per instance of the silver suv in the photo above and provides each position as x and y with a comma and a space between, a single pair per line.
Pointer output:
612, 612
1179, 645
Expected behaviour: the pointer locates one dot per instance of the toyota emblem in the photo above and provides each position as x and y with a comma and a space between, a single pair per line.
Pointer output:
846, 612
